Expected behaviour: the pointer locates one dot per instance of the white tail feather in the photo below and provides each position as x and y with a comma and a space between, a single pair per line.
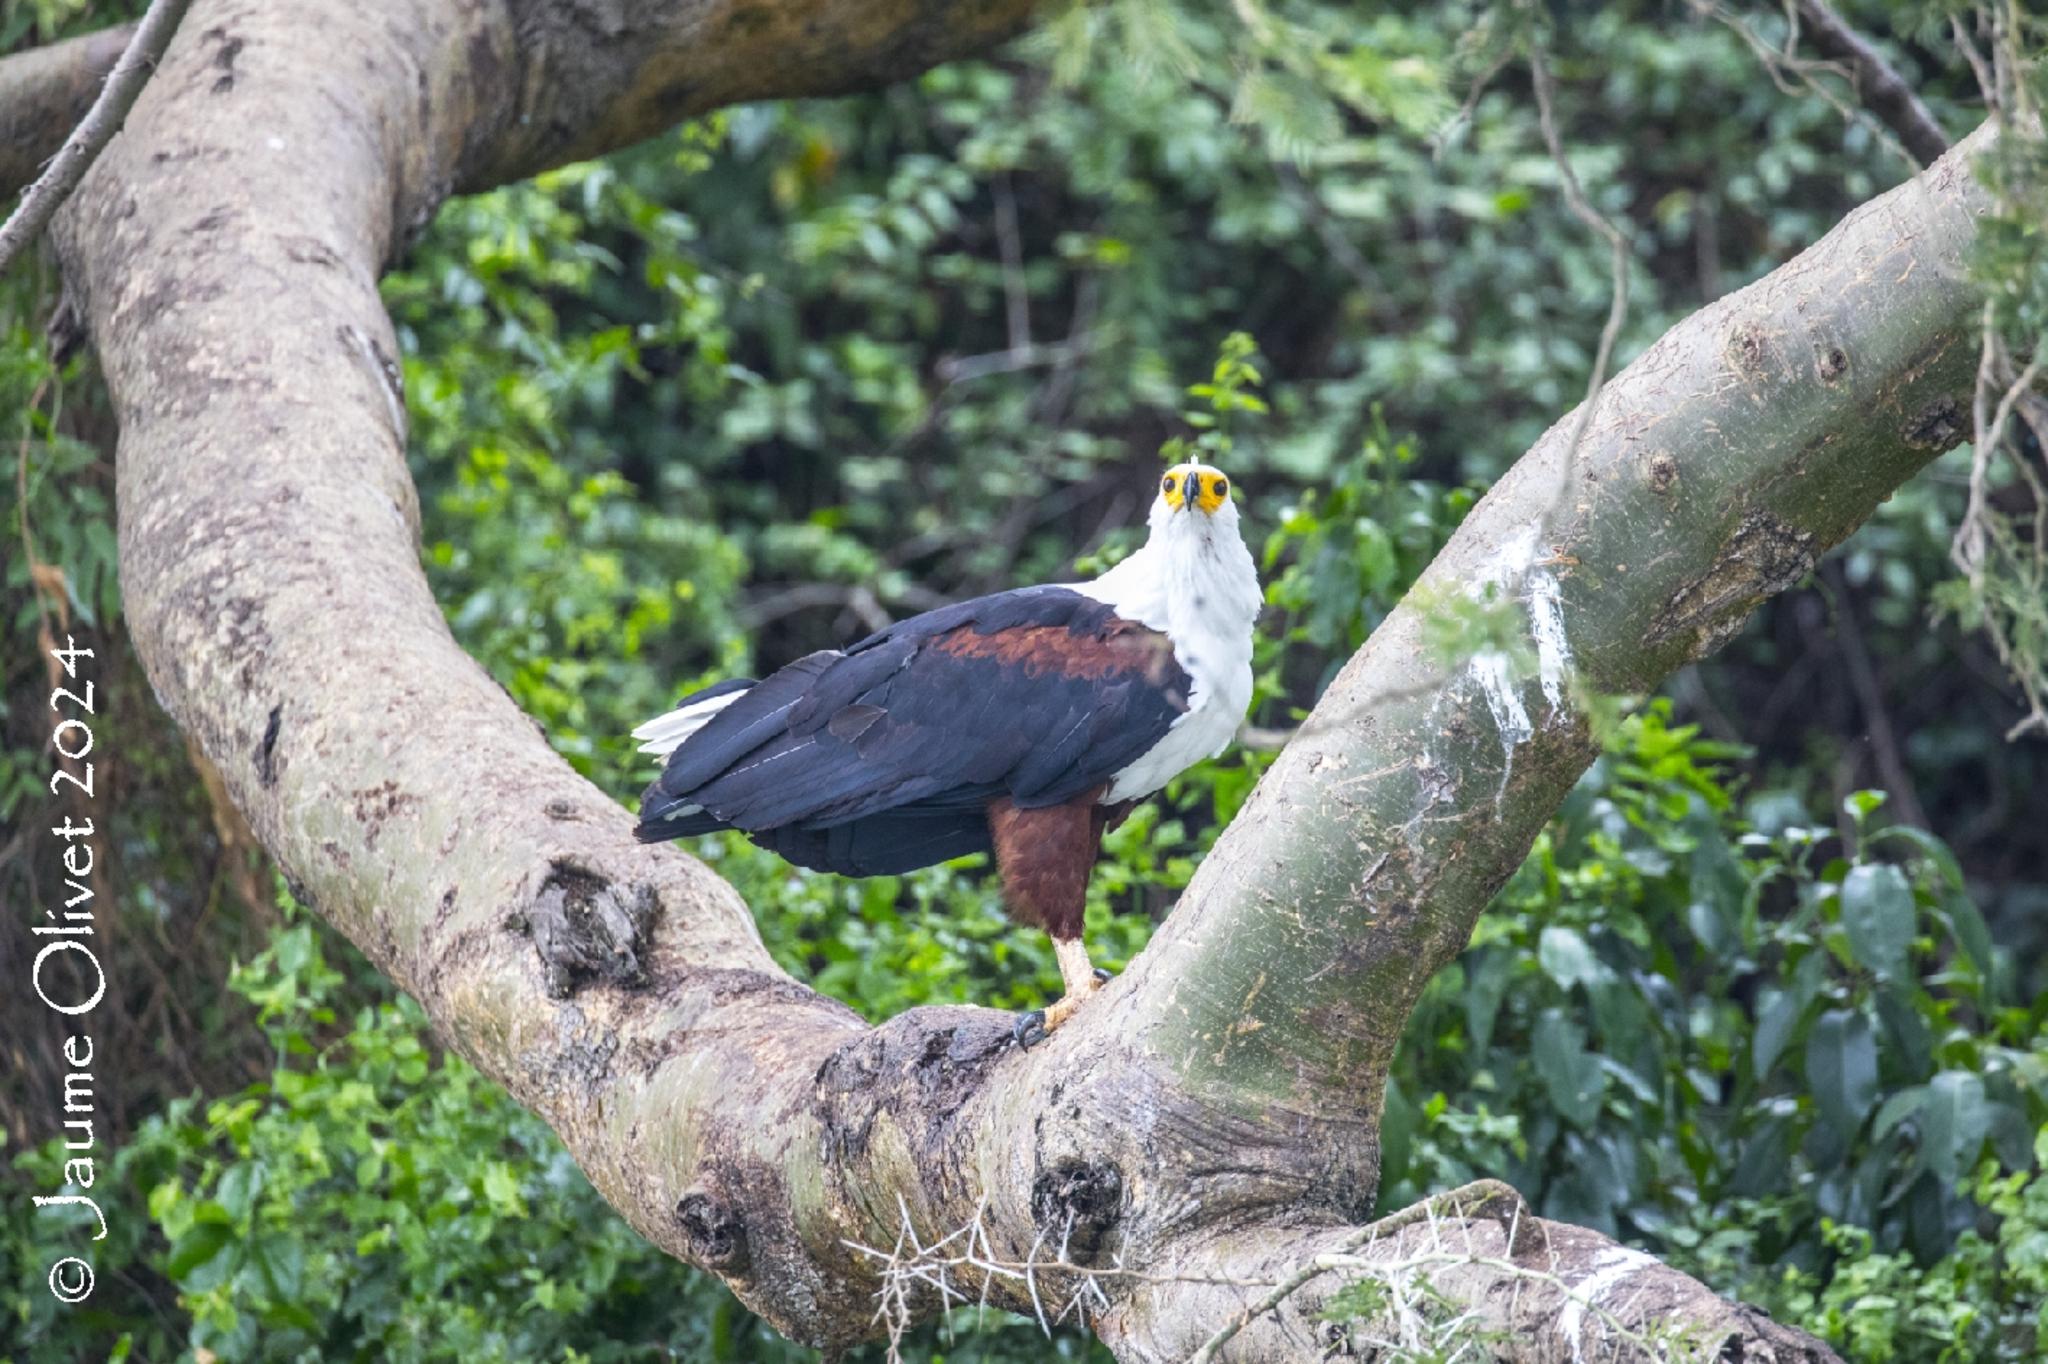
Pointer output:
664, 734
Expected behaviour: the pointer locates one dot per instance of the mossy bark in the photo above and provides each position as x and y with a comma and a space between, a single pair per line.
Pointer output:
1215, 1110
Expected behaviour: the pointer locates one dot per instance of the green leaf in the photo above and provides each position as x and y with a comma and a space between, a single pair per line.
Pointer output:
196, 1247
1953, 1124
1486, 985
239, 1187
1877, 913
1575, 1077
1775, 1021
1761, 1167
1566, 958
1897, 1109
1841, 1067
1973, 935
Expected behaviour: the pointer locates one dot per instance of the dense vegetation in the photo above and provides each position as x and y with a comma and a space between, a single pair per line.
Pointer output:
1767, 997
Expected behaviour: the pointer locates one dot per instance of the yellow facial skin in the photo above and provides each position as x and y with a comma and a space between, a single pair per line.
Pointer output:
1195, 485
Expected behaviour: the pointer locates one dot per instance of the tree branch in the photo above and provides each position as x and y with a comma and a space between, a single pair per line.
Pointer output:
44, 93
595, 75
1192, 1118
42, 198
1721, 465
1883, 90
1533, 1289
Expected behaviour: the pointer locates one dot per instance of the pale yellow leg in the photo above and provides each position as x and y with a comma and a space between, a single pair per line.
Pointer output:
1080, 978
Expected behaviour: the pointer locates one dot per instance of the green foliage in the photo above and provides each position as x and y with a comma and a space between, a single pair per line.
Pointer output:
1783, 1054
2002, 550
61, 516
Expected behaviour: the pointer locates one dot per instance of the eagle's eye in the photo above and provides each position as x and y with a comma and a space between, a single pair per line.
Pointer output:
1222, 486
1166, 484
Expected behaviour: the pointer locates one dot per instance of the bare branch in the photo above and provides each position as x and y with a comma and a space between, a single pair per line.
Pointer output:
585, 78
42, 199
1883, 90
1483, 1198
1617, 306
1792, 73
44, 93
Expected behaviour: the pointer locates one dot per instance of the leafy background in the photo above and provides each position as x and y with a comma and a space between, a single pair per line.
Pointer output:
1766, 998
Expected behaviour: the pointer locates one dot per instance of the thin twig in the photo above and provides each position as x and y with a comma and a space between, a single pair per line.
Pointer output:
42, 199
1793, 74
1617, 308
1987, 81
1016, 297
1031, 355
858, 599
1348, 257
1456, 123
1966, 550
2009, 613
1265, 739
1884, 743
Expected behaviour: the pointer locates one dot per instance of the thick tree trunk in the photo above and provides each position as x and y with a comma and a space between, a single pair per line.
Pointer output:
1197, 1123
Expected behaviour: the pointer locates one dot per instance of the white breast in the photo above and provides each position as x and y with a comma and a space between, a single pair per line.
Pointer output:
1194, 582
1217, 706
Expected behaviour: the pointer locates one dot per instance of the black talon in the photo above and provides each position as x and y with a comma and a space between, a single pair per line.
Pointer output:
1103, 974
1030, 1029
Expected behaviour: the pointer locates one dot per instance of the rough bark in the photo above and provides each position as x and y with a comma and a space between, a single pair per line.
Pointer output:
1553, 1294
226, 251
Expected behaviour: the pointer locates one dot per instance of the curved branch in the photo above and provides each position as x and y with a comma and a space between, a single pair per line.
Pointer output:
1721, 465
1545, 1290
44, 92
1883, 90
597, 75
269, 541
42, 198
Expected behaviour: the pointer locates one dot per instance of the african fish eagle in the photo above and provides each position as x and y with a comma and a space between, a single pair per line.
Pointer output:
1025, 723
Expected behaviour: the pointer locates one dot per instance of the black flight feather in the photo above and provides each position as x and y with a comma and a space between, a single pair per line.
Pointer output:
883, 757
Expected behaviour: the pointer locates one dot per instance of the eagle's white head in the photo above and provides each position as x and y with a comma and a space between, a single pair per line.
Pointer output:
1194, 487
1194, 507
1193, 573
